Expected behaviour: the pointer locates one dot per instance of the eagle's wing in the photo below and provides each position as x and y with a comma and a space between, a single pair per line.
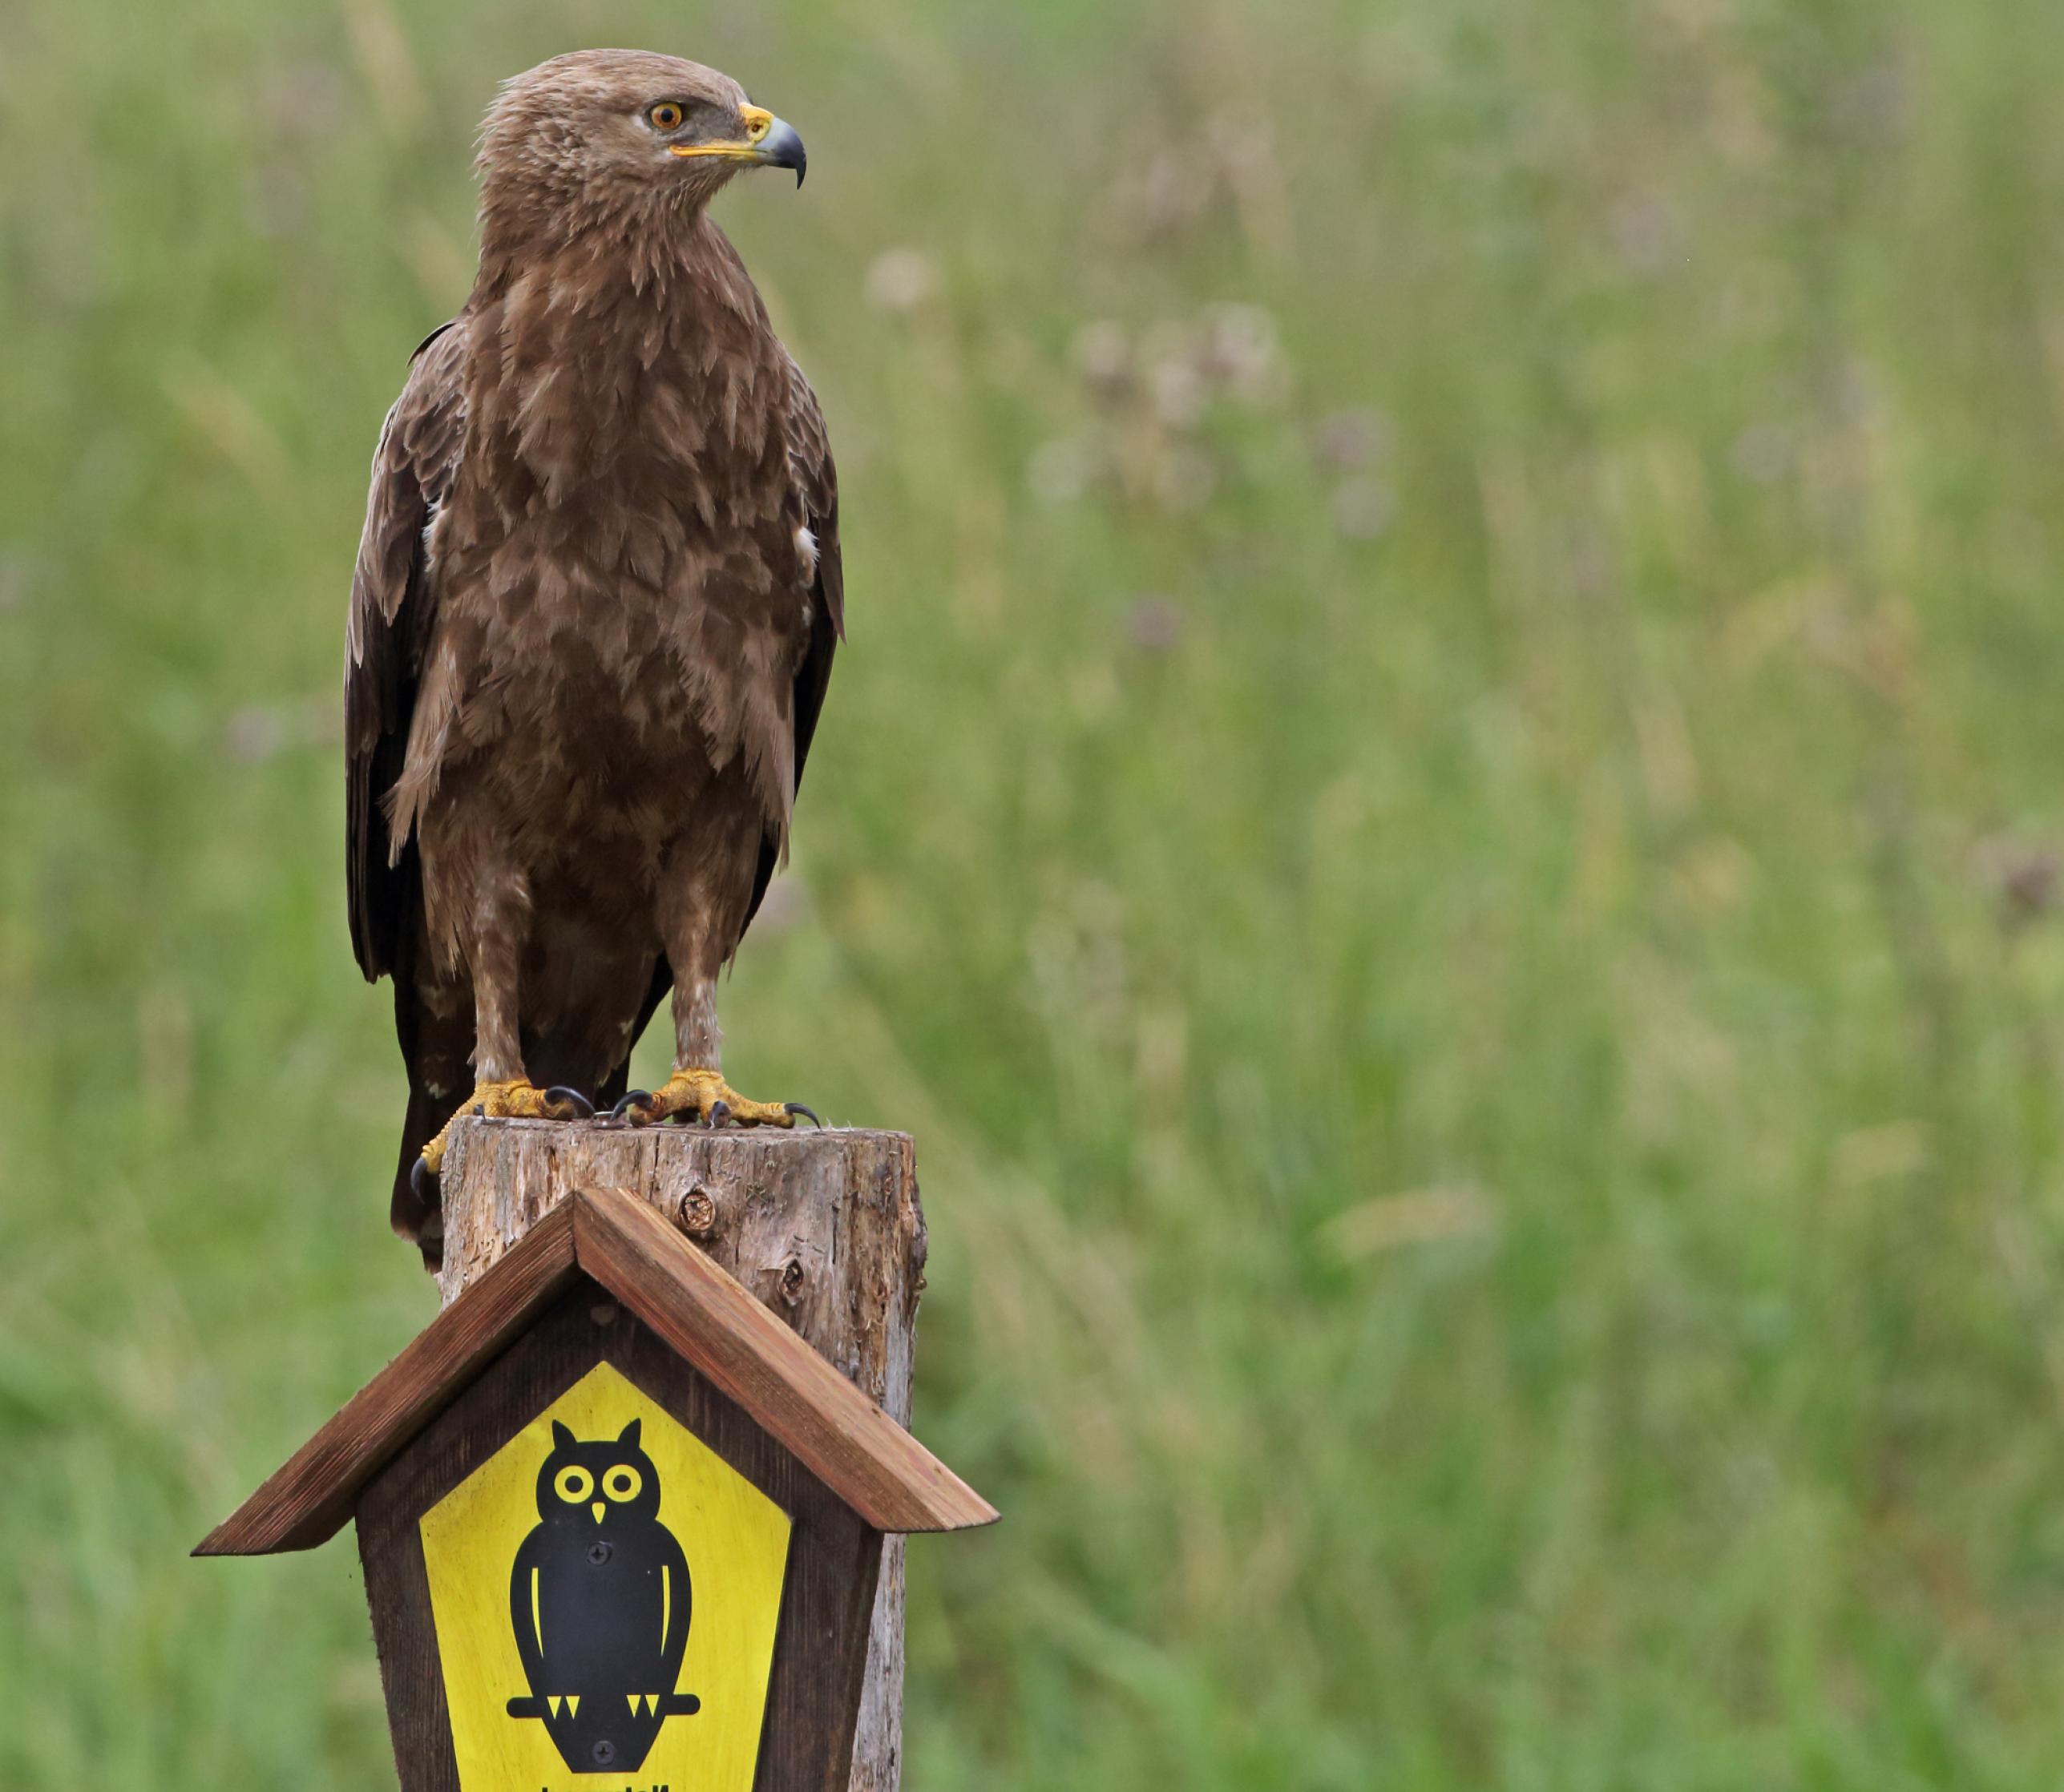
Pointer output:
392, 609
809, 464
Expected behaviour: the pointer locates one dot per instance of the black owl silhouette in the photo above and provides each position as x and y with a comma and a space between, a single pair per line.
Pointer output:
600, 1598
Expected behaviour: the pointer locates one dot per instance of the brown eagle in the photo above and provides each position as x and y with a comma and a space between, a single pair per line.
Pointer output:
592, 622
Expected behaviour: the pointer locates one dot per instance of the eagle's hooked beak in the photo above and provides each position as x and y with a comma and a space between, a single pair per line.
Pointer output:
776, 144
769, 141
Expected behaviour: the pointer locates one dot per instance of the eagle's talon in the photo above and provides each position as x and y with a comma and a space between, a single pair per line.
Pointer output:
516, 1098
693, 1096
795, 1108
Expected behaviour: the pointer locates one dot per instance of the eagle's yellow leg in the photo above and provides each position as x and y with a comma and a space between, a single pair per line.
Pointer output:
705, 1094
515, 1100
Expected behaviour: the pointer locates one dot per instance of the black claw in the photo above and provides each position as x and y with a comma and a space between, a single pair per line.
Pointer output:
583, 1107
637, 1098
795, 1108
422, 1183
719, 1112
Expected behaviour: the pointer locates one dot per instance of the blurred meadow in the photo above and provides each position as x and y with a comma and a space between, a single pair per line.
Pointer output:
1442, 814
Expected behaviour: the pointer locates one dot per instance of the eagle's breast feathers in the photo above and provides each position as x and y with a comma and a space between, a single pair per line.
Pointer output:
602, 535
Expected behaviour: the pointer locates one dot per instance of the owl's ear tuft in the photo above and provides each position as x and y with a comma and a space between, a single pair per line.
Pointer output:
628, 1437
561, 1438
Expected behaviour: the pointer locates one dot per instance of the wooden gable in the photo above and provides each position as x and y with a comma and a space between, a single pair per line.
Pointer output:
619, 1243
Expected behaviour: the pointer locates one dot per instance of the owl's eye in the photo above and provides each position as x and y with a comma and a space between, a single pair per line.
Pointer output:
573, 1484
623, 1482
665, 116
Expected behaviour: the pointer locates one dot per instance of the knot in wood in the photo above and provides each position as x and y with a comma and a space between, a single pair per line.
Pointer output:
793, 1277
698, 1212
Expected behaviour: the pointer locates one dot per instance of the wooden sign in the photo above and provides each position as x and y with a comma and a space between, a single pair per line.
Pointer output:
616, 1520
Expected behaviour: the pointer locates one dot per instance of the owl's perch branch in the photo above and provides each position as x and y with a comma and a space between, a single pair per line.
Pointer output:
824, 1226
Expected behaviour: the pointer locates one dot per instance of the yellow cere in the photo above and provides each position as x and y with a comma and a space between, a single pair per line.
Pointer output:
757, 120
671, 1534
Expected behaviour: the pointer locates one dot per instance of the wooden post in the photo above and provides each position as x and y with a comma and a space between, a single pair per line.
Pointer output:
824, 1227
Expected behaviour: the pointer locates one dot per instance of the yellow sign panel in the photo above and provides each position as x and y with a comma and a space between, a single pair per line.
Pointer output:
605, 1588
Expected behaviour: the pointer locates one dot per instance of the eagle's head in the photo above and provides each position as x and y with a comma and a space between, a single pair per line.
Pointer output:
620, 134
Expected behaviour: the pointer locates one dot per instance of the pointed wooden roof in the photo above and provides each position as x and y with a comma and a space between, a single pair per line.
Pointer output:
852, 1446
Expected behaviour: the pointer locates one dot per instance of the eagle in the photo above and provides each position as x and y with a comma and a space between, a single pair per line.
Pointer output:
592, 623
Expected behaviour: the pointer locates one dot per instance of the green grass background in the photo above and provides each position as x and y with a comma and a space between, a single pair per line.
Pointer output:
1452, 869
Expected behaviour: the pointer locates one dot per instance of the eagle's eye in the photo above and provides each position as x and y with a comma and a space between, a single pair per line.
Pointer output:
665, 116
573, 1484
623, 1482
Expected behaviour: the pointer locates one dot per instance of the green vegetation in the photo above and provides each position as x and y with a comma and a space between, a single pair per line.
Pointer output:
1453, 866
